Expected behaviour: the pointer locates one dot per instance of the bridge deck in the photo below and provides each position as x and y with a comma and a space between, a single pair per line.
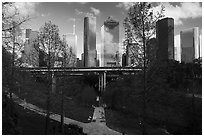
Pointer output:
95, 69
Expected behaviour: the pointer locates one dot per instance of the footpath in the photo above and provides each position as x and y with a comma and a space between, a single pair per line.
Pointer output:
96, 127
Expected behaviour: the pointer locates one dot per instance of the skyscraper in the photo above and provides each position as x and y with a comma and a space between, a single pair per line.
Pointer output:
71, 40
90, 53
177, 48
165, 38
124, 60
110, 43
190, 45
200, 44
82, 59
30, 53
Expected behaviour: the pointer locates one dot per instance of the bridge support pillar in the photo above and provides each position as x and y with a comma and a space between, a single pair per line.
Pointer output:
102, 81
54, 82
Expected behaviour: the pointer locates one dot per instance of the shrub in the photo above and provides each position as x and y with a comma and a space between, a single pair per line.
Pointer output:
88, 96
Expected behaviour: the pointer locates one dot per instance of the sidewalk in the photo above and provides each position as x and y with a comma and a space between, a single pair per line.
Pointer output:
98, 124
96, 127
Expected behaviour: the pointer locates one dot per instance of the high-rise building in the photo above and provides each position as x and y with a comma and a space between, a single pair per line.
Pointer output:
177, 48
82, 59
200, 44
30, 54
110, 43
124, 60
165, 38
190, 45
98, 60
90, 53
71, 40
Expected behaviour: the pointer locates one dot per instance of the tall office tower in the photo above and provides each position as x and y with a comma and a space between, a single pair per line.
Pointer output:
90, 53
200, 44
82, 59
71, 40
98, 60
30, 54
110, 43
165, 38
124, 60
190, 47
177, 48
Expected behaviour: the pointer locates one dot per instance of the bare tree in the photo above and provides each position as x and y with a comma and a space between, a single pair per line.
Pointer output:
140, 19
140, 26
69, 58
11, 21
49, 41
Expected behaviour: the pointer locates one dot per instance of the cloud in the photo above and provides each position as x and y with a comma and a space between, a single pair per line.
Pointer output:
78, 12
83, 2
92, 13
45, 15
95, 11
108, 37
125, 5
183, 11
179, 12
26, 8
71, 19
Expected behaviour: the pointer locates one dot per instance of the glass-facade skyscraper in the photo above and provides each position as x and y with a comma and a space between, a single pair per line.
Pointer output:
90, 54
165, 38
30, 53
110, 44
190, 44
71, 40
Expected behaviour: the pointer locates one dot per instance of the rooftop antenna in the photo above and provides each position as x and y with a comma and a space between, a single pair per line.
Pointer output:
74, 26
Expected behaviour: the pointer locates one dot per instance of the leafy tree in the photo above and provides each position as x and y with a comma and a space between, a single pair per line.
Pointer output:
88, 95
11, 46
140, 27
11, 32
69, 58
49, 41
9, 117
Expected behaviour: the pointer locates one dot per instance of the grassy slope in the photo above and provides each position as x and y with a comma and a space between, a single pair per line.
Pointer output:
129, 124
31, 123
35, 93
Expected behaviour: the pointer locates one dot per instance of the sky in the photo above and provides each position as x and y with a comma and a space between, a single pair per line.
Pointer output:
186, 15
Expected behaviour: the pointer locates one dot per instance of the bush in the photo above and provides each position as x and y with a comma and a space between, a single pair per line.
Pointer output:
74, 130
9, 117
88, 96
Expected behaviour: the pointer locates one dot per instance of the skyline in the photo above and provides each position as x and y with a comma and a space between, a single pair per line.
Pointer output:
186, 15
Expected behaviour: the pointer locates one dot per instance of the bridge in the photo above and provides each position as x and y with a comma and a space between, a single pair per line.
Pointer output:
102, 72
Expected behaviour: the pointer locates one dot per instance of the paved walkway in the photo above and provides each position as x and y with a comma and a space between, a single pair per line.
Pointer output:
96, 127
98, 124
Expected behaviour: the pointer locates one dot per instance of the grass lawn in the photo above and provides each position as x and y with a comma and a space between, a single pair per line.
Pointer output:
128, 124
122, 123
31, 123
35, 93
